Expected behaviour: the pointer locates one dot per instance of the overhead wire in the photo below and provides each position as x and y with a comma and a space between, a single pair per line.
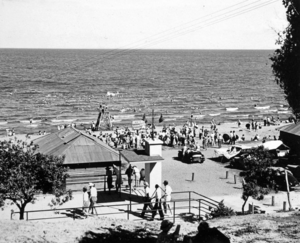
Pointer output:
181, 30
212, 22
191, 29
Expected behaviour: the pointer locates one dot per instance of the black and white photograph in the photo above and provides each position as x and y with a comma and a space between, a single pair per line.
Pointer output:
150, 121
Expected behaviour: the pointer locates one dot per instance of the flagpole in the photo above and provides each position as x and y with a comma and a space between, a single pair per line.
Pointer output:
153, 124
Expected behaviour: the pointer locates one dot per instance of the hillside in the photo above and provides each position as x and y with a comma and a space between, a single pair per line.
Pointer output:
280, 227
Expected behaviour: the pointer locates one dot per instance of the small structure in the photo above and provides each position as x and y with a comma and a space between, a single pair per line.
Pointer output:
290, 135
277, 147
151, 157
85, 155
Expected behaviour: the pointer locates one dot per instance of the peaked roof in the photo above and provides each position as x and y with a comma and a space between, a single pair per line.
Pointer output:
276, 144
293, 129
78, 147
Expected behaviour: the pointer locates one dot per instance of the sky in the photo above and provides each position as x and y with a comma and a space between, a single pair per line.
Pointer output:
141, 24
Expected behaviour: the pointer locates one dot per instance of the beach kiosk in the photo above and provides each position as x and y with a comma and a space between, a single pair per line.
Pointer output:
151, 156
85, 156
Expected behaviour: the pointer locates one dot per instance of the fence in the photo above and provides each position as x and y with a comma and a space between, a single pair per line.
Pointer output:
183, 202
101, 180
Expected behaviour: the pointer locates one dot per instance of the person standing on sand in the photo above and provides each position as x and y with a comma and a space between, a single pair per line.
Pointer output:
93, 198
239, 123
230, 137
233, 138
204, 142
220, 141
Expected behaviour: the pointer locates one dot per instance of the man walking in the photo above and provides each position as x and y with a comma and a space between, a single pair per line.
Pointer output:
167, 197
93, 198
157, 205
147, 199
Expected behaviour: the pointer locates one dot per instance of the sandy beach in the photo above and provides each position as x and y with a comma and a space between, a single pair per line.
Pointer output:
209, 177
209, 180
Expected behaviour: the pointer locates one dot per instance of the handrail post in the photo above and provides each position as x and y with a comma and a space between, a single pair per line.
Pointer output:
199, 208
130, 205
11, 214
104, 183
189, 201
26, 216
173, 212
127, 212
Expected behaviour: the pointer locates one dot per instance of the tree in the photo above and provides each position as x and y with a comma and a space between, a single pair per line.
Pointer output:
24, 173
286, 60
258, 180
251, 189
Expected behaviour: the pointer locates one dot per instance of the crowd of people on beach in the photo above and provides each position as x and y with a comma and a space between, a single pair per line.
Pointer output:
189, 136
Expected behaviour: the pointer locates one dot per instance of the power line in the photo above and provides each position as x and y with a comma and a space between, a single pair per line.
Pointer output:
181, 30
214, 22
191, 29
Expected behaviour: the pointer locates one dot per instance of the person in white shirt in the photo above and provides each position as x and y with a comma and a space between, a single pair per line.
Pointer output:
147, 199
157, 205
167, 197
86, 200
93, 198
136, 175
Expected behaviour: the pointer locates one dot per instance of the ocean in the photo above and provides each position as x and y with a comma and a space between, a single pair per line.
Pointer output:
55, 87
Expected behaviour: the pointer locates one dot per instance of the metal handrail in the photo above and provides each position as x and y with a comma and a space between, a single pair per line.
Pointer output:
129, 207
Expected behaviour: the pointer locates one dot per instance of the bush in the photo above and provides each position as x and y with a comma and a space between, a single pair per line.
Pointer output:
222, 211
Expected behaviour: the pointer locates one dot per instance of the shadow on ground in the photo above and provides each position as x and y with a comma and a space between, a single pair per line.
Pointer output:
119, 235
185, 162
189, 217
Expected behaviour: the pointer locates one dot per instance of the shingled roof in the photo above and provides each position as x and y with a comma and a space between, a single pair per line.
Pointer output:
293, 129
78, 147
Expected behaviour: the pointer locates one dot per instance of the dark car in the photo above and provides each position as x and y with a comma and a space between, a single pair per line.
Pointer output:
191, 156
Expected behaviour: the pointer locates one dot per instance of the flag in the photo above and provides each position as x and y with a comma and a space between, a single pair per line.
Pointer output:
161, 119
144, 118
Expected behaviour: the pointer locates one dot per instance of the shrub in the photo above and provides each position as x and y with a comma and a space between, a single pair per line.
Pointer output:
222, 211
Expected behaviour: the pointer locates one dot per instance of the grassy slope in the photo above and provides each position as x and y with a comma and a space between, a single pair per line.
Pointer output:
281, 227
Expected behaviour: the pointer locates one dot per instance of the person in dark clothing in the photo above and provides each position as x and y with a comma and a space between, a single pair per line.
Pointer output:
207, 235
158, 204
129, 172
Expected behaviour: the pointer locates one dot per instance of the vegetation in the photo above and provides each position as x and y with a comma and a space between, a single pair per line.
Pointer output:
24, 173
251, 189
259, 180
286, 60
222, 211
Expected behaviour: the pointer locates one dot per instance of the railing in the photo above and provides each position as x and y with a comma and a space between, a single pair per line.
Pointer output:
102, 180
196, 206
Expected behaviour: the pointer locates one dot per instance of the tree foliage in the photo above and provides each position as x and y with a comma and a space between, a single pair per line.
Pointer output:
251, 189
286, 60
222, 211
257, 177
24, 173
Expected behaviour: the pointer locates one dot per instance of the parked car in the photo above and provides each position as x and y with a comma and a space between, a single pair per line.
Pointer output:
191, 156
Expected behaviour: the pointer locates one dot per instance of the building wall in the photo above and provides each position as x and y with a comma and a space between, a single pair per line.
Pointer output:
291, 140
